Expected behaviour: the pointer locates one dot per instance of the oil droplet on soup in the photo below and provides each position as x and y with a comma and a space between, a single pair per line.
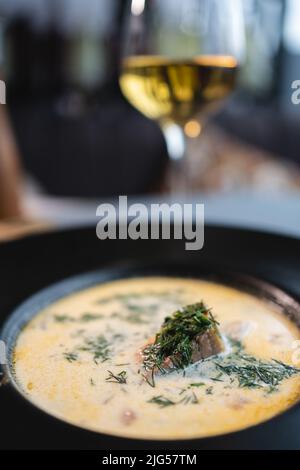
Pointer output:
80, 360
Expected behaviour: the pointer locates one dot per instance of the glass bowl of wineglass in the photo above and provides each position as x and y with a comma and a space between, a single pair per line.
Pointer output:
180, 62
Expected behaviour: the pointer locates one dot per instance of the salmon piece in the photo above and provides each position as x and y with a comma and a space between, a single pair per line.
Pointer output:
203, 346
207, 344
188, 336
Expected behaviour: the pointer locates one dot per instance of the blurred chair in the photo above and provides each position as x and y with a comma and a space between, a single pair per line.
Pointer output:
77, 135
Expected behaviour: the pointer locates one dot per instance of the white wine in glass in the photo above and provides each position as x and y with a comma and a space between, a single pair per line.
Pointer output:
177, 90
180, 62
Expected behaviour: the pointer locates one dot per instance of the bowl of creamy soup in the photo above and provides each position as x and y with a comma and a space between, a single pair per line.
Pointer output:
156, 357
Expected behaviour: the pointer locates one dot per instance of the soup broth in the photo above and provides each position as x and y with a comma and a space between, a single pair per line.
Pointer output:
80, 360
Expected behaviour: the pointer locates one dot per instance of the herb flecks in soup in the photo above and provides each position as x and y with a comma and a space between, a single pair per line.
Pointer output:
115, 358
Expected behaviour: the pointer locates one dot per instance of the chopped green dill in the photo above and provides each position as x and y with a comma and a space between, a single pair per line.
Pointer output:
217, 378
272, 389
199, 384
138, 318
120, 378
118, 336
235, 344
162, 401
99, 347
194, 399
251, 372
133, 317
87, 317
189, 399
209, 391
92, 382
133, 308
70, 356
149, 379
84, 318
62, 318
151, 358
77, 333
175, 339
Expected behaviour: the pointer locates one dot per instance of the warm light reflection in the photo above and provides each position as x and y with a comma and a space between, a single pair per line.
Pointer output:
137, 7
192, 129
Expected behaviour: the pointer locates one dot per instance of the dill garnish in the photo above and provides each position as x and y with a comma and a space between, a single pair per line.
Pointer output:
162, 401
236, 345
175, 339
217, 378
120, 378
70, 356
151, 357
84, 318
135, 310
150, 380
62, 318
98, 347
87, 317
189, 399
251, 372
136, 314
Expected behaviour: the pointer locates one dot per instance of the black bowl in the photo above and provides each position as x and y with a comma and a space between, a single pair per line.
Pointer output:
266, 265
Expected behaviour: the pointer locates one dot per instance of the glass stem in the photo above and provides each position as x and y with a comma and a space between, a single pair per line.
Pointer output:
176, 146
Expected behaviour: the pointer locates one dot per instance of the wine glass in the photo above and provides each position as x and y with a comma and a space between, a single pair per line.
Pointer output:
180, 61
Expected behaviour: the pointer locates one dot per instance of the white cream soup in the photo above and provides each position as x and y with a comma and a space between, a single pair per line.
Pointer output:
79, 360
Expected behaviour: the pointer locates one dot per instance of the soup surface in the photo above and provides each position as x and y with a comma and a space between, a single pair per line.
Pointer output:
79, 360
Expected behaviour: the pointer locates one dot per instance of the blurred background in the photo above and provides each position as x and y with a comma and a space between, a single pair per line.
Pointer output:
69, 139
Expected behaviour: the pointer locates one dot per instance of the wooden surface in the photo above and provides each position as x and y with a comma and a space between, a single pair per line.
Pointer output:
13, 229
10, 170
